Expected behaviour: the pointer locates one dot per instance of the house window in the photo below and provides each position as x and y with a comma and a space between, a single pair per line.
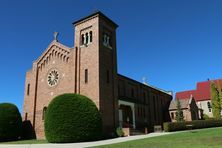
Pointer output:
172, 115
209, 106
28, 89
43, 113
86, 75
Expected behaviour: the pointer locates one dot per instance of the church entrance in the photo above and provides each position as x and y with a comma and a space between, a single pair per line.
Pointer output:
126, 114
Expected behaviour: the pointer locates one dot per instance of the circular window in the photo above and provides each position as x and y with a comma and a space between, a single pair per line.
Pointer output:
53, 77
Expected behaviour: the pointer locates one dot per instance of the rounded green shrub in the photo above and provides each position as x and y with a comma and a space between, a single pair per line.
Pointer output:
119, 132
72, 118
10, 122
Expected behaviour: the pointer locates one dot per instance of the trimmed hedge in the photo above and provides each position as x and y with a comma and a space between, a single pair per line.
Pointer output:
197, 124
72, 118
10, 122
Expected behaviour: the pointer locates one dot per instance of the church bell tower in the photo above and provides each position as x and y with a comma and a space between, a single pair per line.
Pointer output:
96, 65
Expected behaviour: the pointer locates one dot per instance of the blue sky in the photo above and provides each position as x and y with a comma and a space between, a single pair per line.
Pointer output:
172, 43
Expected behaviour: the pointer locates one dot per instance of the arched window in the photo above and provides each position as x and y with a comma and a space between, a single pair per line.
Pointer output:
87, 38
104, 39
90, 36
43, 113
107, 41
28, 89
82, 39
26, 116
86, 75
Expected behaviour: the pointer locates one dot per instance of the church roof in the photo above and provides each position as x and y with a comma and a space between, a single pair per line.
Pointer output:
201, 93
53, 43
94, 14
146, 85
184, 104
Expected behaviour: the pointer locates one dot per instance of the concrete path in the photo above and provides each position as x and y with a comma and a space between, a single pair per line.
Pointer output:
83, 144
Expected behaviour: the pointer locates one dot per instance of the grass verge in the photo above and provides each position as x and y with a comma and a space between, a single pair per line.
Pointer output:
26, 142
204, 138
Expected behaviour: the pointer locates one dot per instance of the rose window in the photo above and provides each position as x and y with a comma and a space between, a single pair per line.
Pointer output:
53, 78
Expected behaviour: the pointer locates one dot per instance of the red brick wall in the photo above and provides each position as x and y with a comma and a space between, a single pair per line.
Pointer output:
151, 105
56, 57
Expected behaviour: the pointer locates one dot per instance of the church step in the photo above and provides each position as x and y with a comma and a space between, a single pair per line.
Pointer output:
136, 132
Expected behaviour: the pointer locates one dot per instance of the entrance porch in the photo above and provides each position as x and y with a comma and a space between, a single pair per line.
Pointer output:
126, 114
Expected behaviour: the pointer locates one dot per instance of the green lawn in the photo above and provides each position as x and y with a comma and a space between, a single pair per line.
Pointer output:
25, 142
196, 139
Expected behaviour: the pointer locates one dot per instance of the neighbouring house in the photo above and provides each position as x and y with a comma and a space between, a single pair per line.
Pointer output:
201, 94
189, 108
90, 68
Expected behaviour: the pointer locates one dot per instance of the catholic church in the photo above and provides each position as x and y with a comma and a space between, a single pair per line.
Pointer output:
90, 68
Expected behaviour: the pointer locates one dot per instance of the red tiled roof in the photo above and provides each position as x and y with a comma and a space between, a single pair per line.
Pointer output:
202, 91
185, 94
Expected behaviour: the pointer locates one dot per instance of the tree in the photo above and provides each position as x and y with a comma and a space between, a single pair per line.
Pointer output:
10, 122
179, 113
220, 98
72, 118
216, 96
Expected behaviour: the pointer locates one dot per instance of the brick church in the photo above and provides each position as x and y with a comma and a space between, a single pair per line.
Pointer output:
90, 68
